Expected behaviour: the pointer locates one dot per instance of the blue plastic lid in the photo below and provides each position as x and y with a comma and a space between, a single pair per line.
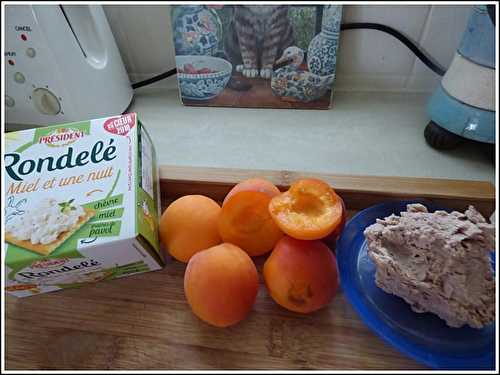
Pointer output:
423, 336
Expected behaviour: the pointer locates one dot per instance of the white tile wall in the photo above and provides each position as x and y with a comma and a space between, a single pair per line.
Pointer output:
369, 60
144, 37
440, 38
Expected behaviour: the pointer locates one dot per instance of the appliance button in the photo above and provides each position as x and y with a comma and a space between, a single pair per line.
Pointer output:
45, 101
30, 52
9, 102
19, 77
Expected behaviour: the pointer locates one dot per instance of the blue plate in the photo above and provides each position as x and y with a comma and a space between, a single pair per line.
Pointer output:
424, 337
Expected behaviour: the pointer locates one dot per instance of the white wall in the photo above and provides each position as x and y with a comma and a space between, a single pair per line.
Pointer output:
368, 59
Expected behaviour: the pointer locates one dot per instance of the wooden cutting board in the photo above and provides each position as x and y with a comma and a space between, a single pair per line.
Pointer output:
144, 322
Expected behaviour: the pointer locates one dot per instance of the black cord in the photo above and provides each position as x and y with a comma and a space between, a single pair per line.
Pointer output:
154, 79
345, 26
403, 39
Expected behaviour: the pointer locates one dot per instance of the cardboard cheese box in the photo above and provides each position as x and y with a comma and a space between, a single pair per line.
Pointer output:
82, 203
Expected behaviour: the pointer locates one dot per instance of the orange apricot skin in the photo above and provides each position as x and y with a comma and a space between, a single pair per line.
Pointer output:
253, 184
332, 238
282, 207
221, 284
245, 221
301, 276
189, 225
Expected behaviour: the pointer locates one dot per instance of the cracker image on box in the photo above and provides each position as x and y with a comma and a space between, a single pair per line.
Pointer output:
75, 199
47, 226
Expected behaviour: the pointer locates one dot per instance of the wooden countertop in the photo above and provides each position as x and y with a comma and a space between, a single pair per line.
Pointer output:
144, 321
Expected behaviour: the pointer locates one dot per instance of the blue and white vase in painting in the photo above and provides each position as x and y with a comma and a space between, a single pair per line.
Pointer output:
197, 30
322, 51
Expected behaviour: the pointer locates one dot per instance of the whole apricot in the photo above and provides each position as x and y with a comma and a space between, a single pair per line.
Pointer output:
189, 225
253, 184
221, 284
301, 276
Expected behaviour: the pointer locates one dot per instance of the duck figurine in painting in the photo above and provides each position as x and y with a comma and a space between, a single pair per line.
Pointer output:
293, 82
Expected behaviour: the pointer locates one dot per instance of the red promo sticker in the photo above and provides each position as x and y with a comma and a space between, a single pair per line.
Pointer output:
120, 125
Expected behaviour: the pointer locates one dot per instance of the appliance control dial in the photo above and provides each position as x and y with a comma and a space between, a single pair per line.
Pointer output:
30, 52
9, 101
45, 101
19, 77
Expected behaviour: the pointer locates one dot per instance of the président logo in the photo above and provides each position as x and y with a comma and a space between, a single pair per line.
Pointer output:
61, 137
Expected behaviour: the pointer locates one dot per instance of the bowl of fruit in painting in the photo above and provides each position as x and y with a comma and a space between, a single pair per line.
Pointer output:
202, 77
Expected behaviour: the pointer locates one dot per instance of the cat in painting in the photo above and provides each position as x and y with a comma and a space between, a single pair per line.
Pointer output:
256, 37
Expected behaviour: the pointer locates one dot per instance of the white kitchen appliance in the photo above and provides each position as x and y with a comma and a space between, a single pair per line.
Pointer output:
61, 65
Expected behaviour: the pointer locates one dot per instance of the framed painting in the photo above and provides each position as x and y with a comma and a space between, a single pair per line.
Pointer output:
258, 56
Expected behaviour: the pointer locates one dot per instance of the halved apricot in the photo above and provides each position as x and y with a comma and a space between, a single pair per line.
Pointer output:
245, 222
309, 210
253, 184
331, 239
